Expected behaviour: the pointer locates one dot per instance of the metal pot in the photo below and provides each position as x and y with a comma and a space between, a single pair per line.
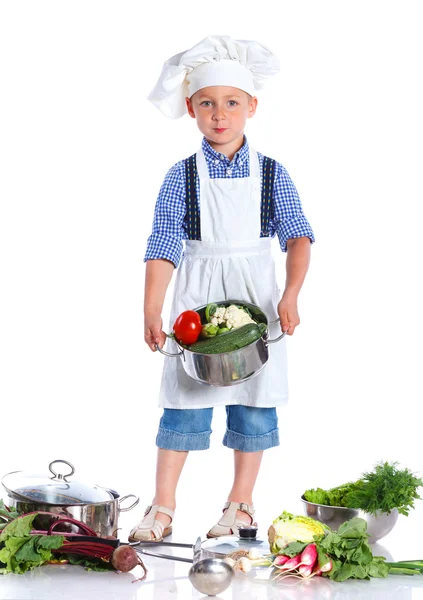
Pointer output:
97, 507
228, 368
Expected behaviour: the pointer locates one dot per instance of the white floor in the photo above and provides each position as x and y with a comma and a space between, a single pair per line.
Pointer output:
168, 579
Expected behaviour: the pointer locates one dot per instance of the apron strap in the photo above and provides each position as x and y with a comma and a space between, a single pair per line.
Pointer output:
254, 164
193, 212
267, 195
192, 218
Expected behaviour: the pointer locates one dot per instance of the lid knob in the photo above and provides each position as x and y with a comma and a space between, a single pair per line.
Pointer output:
248, 531
60, 475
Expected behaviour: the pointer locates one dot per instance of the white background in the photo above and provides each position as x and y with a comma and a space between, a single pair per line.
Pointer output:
82, 157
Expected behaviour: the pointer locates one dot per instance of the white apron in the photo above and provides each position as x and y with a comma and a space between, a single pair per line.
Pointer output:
230, 262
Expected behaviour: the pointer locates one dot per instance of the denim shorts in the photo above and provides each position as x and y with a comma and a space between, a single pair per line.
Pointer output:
248, 428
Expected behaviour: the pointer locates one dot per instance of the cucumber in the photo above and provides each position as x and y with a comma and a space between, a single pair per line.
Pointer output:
228, 342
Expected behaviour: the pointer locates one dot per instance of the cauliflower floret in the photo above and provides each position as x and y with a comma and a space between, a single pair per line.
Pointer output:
231, 317
236, 317
219, 316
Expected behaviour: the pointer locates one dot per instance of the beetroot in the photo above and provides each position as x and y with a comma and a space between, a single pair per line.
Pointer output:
125, 559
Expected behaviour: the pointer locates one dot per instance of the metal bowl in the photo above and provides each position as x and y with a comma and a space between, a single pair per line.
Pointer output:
333, 516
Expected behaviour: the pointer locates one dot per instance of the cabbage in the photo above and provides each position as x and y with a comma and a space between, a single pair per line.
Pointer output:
288, 528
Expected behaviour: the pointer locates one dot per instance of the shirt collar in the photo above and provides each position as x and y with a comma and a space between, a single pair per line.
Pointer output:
211, 154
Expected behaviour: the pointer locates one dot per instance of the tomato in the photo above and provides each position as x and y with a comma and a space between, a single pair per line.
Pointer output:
187, 327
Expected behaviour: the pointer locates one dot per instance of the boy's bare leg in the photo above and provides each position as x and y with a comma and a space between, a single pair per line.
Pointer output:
169, 467
247, 467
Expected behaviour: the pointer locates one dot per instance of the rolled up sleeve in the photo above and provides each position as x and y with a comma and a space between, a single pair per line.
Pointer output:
289, 219
165, 241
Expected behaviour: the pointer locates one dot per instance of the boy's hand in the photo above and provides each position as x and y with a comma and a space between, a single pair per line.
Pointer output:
153, 332
288, 313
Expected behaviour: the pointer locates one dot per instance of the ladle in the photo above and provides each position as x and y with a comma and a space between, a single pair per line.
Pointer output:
210, 576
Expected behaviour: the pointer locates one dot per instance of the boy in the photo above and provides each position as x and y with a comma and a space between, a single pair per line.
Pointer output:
226, 202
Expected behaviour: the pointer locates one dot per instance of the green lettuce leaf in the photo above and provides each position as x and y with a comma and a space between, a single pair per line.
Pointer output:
20, 527
20, 551
317, 496
6, 515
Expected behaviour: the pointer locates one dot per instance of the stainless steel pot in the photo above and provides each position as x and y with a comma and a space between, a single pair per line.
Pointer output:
228, 368
97, 507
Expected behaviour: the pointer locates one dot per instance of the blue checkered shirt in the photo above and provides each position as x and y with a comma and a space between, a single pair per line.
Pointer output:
166, 239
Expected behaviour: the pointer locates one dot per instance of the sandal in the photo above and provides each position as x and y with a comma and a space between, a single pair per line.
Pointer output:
229, 524
151, 529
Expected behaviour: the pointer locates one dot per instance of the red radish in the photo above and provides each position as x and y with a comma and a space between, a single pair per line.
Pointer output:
325, 564
280, 560
187, 327
305, 570
291, 564
317, 572
326, 567
309, 555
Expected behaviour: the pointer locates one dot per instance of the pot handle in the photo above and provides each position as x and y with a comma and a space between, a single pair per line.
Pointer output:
168, 353
171, 354
128, 507
59, 475
278, 338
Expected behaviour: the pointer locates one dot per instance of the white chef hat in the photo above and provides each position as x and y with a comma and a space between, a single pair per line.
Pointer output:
216, 60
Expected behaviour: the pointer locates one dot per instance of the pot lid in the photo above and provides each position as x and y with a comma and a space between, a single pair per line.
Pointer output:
221, 546
56, 490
